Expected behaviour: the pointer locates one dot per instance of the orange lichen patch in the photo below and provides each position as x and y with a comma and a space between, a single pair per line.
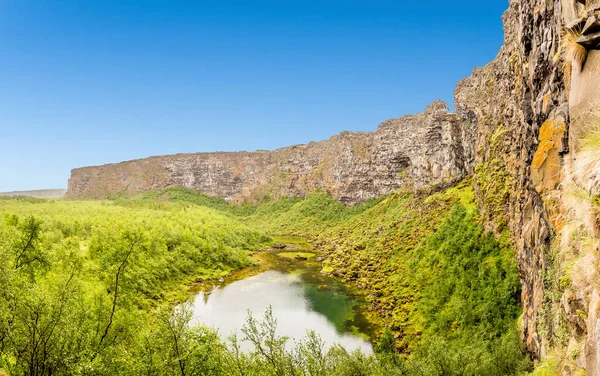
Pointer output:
559, 223
553, 130
546, 101
541, 154
546, 164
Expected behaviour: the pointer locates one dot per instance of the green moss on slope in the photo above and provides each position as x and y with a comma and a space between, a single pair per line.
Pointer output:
492, 181
431, 274
429, 270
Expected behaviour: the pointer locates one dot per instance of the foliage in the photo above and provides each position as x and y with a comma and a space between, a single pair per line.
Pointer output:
430, 271
92, 288
80, 283
387, 343
493, 182
182, 196
305, 216
587, 163
469, 283
271, 355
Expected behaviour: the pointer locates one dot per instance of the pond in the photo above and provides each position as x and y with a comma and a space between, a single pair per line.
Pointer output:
288, 280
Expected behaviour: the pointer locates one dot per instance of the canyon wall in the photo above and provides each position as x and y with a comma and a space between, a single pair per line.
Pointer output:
538, 169
415, 150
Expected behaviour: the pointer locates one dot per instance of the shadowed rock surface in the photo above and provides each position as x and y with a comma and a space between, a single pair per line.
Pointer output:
533, 109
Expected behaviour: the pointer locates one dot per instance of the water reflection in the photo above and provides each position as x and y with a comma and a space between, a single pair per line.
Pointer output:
300, 302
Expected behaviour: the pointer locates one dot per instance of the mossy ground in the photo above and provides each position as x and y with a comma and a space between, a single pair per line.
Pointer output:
423, 262
296, 255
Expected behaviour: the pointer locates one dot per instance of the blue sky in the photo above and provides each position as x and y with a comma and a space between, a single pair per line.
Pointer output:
93, 82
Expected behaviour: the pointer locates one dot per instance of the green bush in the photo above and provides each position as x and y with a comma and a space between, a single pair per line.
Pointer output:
88, 288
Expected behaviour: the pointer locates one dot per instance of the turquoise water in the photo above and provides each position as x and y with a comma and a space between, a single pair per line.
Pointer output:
301, 298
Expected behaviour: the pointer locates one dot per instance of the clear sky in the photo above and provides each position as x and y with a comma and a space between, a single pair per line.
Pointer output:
92, 82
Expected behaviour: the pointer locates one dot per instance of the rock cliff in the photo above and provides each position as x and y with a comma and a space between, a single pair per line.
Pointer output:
417, 150
536, 110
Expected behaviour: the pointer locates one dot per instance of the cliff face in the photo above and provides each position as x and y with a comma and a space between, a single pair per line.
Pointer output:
416, 150
535, 107
510, 99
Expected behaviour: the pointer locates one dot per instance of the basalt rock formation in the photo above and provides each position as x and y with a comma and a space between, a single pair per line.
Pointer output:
538, 166
417, 150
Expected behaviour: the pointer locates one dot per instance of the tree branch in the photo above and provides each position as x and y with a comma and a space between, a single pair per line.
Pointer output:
120, 271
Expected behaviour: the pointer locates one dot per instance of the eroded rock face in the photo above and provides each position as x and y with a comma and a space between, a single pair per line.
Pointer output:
546, 167
510, 99
532, 109
414, 150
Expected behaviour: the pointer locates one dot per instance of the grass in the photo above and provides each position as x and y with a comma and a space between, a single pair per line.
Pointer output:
591, 137
182, 196
547, 368
327, 268
307, 216
572, 51
387, 248
493, 182
586, 167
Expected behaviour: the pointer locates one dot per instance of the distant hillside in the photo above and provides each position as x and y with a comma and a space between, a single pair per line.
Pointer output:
42, 193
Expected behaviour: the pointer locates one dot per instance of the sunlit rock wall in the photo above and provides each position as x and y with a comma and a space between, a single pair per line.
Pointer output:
536, 178
412, 151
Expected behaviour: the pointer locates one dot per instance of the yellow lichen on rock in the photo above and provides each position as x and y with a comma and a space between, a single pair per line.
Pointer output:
546, 164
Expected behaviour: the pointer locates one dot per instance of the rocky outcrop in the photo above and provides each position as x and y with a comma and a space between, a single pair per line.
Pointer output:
414, 150
510, 99
533, 106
